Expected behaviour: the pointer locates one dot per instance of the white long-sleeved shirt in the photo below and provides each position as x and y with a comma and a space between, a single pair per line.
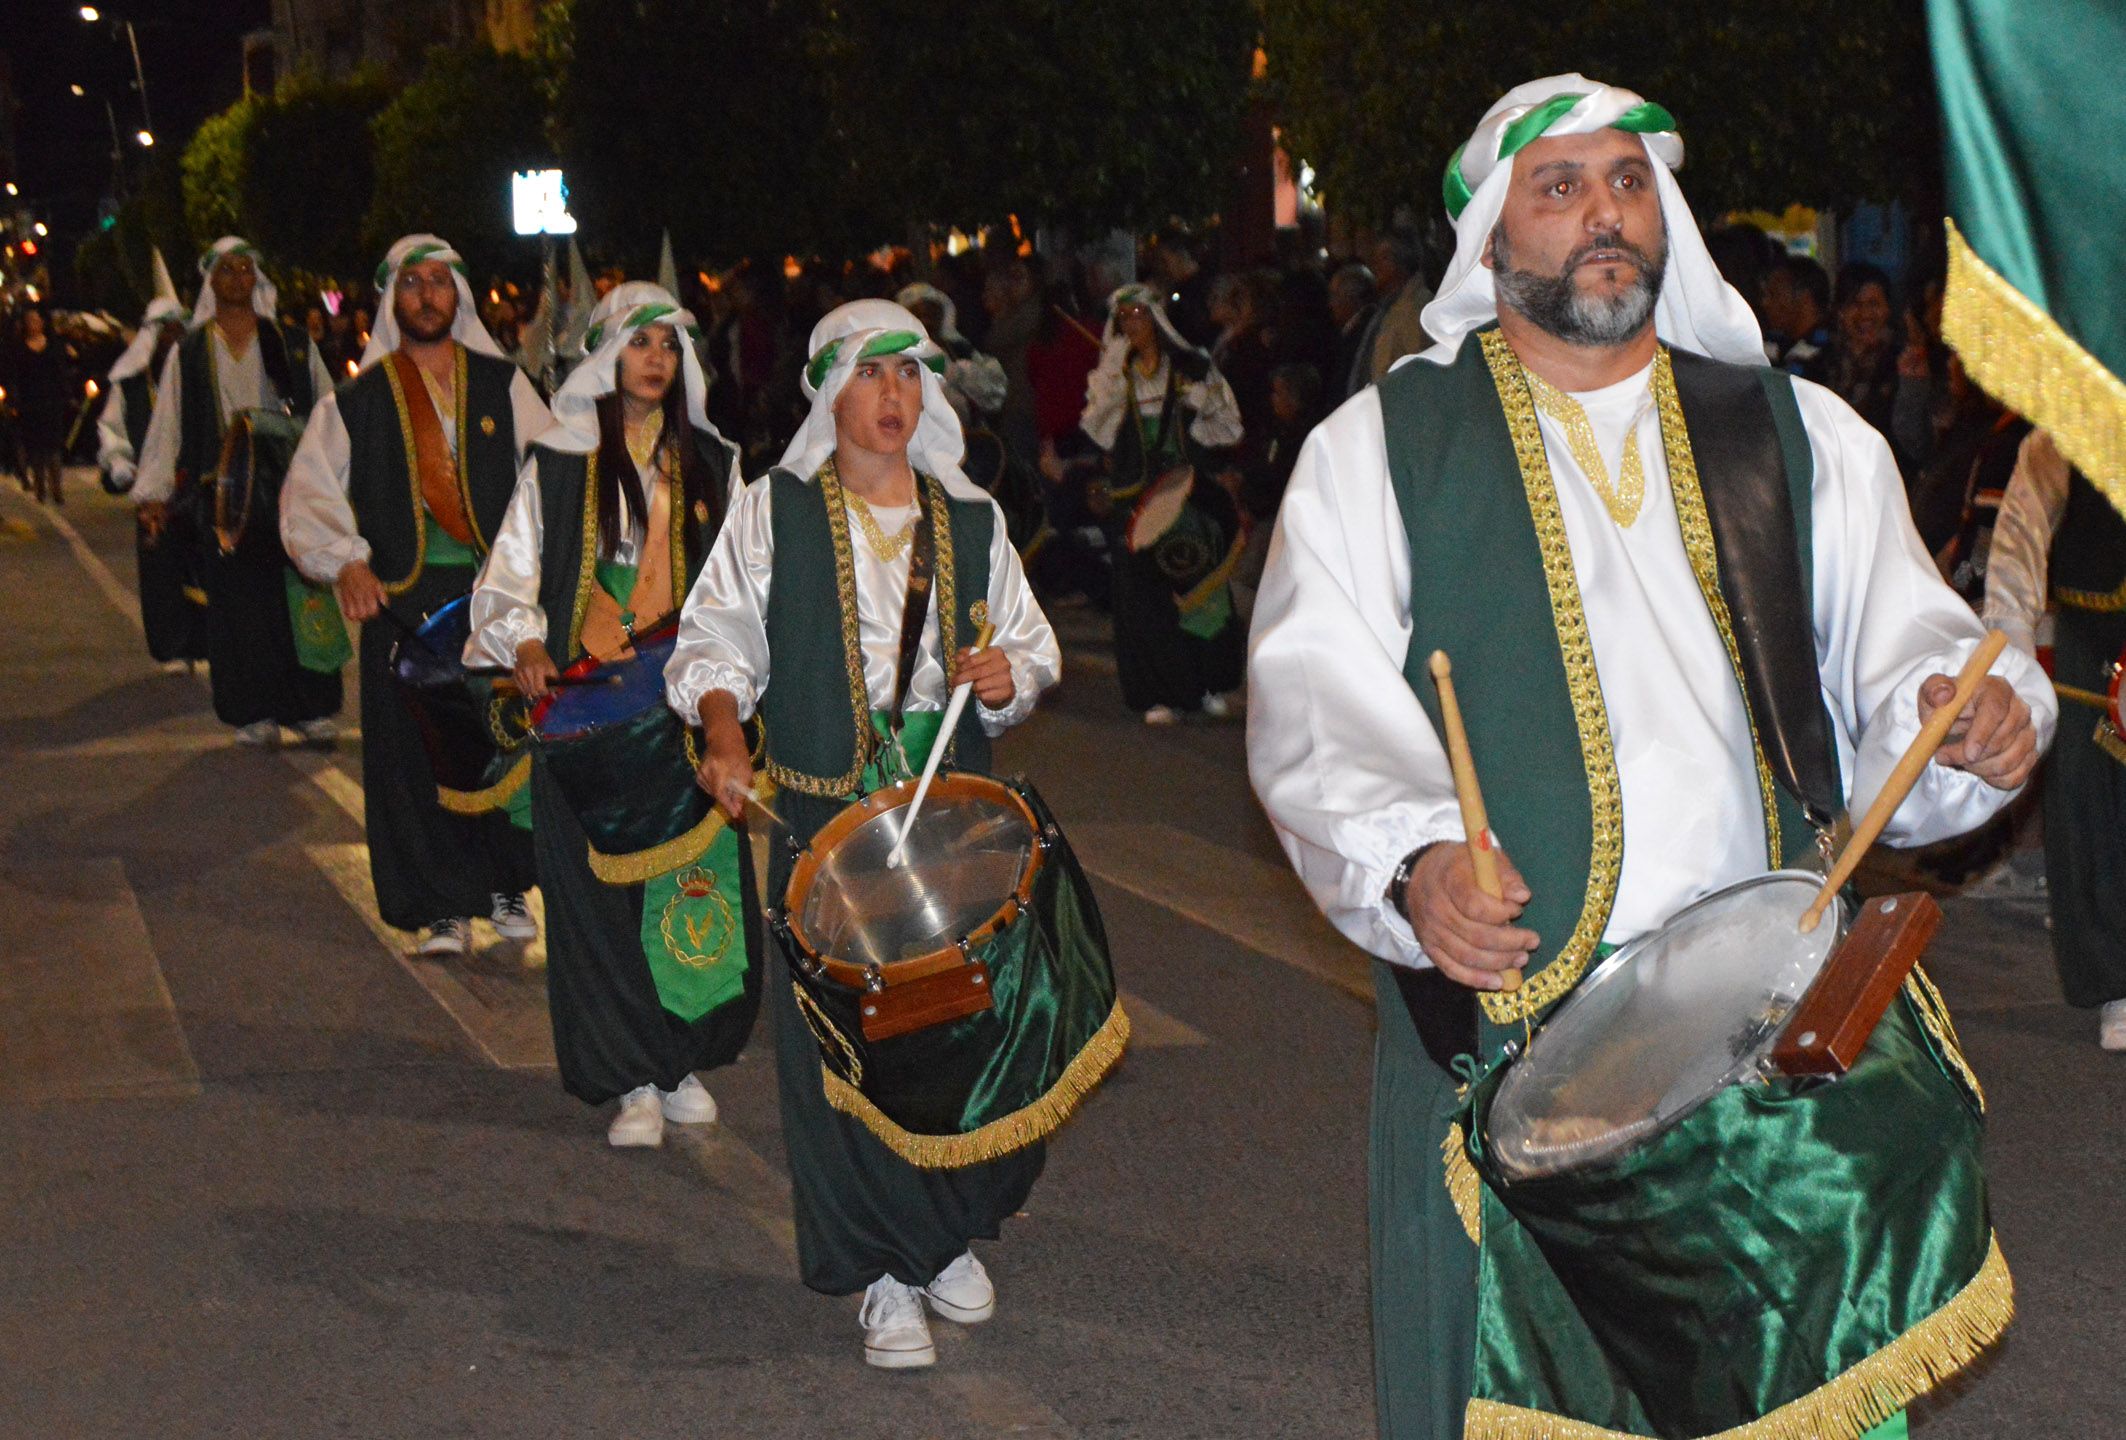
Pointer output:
505, 600
2019, 565
243, 385
723, 636
317, 520
1354, 777
114, 444
1212, 412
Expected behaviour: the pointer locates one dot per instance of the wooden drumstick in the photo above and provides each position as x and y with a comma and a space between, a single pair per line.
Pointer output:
1483, 850
1909, 768
953, 707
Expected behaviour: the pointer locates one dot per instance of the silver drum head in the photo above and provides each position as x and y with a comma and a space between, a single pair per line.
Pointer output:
1661, 1026
963, 862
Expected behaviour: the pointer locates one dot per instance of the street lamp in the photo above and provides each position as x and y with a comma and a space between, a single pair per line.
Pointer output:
145, 137
77, 90
42, 229
92, 15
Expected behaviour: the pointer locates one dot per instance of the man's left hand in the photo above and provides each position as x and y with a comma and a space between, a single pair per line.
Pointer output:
989, 671
1993, 738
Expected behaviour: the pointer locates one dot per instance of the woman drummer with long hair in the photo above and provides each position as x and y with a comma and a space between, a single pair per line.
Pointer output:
652, 969
838, 607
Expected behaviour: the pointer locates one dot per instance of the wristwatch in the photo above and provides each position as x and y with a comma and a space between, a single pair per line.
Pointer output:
1398, 893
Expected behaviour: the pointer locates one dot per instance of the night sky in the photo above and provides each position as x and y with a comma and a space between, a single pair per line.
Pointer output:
189, 49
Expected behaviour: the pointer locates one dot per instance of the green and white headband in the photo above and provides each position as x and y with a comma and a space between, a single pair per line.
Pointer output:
881, 342
1515, 123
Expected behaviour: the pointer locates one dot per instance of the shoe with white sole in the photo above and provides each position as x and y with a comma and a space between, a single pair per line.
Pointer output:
512, 917
2111, 1026
690, 1104
896, 1336
962, 1292
447, 936
1217, 707
322, 731
258, 734
640, 1121
1162, 715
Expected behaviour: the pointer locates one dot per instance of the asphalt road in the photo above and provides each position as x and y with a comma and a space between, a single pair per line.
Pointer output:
267, 1175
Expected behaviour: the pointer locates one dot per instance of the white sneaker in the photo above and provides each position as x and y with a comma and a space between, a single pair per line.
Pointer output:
1216, 707
1161, 715
962, 1292
2111, 1025
690, 1104
896, 1336
512, 917
258, 734
321, 731
640, 1121
445, 937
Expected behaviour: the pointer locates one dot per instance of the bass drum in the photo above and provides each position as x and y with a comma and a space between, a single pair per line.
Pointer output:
472, 728
963, 1001
243, 497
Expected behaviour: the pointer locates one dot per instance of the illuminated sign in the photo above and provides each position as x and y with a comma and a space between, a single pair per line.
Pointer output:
539, 203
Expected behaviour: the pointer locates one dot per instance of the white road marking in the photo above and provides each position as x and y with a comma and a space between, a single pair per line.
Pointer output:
1151, 1028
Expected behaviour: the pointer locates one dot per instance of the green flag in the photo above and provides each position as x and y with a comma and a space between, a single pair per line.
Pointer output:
2037, 212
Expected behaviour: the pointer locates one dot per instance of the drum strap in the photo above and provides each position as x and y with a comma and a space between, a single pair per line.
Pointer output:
915, 610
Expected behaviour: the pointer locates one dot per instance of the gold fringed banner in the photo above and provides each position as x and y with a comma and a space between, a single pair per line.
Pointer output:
2020, 355
494, 797
1846, 1407
1002, 1136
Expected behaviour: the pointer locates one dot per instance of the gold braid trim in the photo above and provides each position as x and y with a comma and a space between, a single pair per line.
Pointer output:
947, 588
1211, 584
494, 797
1597, 750
1463, 1186
636, 867
1002, 1136
826, 1031
2104, 602
842, 786
1697, 530
1934, 1014
587, 566
413, 483
472, 516
2022, 357
1843, 1408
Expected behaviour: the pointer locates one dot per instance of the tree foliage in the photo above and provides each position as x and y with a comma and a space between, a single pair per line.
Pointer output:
1815, 101
308, 173
770, 126
446, 146
213, 174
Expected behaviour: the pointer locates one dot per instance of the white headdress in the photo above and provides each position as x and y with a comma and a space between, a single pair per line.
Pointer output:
864, 330
465, 328
1107, 388
1696, 310
264, 298
625, 309
141, 350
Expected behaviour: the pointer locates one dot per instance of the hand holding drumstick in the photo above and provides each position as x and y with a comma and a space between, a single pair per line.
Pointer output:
1462, 900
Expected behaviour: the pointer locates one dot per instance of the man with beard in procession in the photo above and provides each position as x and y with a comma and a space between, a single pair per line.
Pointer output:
616, 510
238, 356
1667, 701
393, 498
172, 608
800, 614
1155, 403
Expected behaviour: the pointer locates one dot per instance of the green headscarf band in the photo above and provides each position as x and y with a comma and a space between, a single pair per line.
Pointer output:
886, 342
635, 319
213, 257
414, 257
1645, 118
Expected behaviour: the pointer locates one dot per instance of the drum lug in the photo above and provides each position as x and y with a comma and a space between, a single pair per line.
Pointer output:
874, 979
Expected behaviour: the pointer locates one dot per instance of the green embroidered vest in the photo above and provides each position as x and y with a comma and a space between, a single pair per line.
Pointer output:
199, 434
568, 501
815, 709
1492, 576
2088, 562
383, 483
